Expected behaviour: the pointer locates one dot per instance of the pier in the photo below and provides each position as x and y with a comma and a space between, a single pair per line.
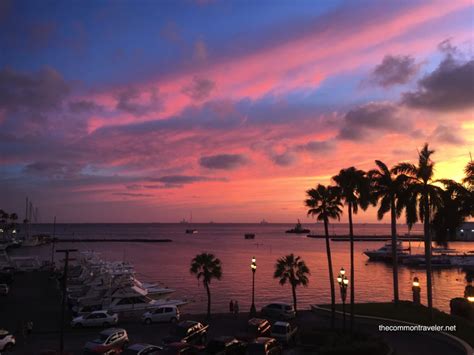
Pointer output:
112, 240
369, 238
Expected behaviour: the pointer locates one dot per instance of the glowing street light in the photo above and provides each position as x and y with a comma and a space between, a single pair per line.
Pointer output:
416, 290
343, 282
253, 267
469, 293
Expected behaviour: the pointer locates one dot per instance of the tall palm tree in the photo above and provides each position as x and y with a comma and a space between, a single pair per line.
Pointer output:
457, 205
293, 270
388, 188
469, 178
424, 197
355, 190
4, 222
325, 203
205, 267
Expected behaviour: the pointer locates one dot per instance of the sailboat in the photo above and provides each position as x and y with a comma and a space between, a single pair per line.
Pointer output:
191, 230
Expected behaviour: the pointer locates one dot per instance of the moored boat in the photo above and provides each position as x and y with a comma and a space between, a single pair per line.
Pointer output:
385, 252
249, 235
298, 229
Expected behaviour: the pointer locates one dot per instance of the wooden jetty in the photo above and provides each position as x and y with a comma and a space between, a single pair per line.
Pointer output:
112, 240
368, 238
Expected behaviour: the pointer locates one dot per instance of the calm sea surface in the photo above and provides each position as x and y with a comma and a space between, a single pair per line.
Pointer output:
168, 263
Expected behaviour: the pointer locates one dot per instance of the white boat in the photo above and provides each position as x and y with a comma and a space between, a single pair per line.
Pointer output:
25, 263
101, 285
385, 253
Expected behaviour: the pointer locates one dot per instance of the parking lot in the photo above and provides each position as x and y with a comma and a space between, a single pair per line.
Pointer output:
35, 297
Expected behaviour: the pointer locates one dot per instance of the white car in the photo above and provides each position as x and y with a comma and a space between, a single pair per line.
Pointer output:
95, 319
7, 341
166, 313
279, 310
4, 289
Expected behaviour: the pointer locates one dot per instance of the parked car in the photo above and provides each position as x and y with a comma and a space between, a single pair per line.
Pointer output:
279, 310
264, 346
4, 289
6, 276
7, 340
180, 348
284, 332
143, 349
188, 332
110, 341
226, 345
167, 313
83, 310
95, 319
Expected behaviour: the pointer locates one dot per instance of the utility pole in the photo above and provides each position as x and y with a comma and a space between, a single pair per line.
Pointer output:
63, 305
53, 243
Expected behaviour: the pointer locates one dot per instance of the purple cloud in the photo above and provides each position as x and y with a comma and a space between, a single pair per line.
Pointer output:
223, 161
199, 89
394, 70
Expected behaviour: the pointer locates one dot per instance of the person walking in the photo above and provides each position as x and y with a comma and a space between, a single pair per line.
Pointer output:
231, 307
236, 308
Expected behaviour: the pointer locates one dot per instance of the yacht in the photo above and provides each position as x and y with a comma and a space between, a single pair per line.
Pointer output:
385, 253
95, 284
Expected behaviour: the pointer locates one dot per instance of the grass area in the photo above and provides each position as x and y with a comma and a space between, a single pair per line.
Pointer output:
419, 314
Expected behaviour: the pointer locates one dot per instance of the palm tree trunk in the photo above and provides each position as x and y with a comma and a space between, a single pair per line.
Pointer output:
208, 300
293, 288
394, 250
331, 275
428, 254
351, 236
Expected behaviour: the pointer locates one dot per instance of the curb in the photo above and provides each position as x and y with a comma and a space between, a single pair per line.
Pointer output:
452, 338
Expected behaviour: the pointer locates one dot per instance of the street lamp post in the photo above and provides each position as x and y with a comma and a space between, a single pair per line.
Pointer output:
63, 303
416, 290
343, 282
253, 267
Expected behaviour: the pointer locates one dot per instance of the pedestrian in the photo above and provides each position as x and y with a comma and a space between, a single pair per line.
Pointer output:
231, 307
29, 327
236, 308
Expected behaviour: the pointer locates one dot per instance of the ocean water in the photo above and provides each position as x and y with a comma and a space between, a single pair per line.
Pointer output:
168, 263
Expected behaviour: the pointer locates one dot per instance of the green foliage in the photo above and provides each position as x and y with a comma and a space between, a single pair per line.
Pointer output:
206, 267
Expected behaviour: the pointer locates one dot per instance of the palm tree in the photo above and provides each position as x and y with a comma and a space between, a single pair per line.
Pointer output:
325, 203
469, 171
388, 188
206, 267
4, 222
293, 270
457, 205
355, 190
424, 196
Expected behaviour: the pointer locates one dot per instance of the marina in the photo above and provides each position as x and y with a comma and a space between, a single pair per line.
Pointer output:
168, 263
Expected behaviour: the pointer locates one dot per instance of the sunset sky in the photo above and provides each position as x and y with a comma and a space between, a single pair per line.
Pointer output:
143, 111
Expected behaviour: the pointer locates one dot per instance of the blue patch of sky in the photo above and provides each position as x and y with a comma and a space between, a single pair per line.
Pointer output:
121, 40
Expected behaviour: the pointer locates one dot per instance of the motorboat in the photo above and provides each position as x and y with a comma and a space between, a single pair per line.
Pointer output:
36, 240
298, 229
249, 235
100, 285
385, 252
191, 231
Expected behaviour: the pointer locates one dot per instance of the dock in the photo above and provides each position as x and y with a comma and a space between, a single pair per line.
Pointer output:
112, 240
369, 238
